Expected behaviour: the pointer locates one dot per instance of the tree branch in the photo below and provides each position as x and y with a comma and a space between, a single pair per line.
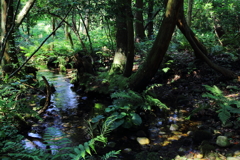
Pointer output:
59, 25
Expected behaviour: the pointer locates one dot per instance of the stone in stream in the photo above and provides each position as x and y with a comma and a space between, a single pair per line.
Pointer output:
143, 140
174, 127
222, 141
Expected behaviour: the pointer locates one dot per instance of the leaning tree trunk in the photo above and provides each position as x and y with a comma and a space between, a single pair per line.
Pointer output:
140, 80
197, 46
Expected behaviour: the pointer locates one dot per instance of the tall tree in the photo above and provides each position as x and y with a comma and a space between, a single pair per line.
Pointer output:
150, 18
119, 61
140, 80
130, 45
9, 23
198, 47
189, 12
139, 28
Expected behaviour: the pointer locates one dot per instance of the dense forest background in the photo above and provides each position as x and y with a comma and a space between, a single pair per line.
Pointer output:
145, 57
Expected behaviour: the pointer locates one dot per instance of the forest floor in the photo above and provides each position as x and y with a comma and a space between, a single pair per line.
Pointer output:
182, 133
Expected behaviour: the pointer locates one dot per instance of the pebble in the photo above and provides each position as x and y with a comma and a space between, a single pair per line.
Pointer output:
127, 150
143, 140
111, 144
222, 141
174, 127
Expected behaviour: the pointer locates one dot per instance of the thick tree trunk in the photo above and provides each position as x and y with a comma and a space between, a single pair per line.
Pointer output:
8, 24
139, 28
130, 50
9, 54
197, 46
120, 58
140, 80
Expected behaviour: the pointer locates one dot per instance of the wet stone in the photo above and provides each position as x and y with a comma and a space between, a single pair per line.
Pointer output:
127, 150
111, 144
222, 141
143, 140
174, 127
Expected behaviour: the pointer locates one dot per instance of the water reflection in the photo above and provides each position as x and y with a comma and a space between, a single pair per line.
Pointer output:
63, 110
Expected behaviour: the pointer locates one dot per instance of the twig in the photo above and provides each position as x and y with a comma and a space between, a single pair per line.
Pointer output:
48, 97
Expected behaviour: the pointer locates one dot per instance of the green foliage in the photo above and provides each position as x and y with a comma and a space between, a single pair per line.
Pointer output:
126, 103
82, 150
110, 154
225, 107
106, 83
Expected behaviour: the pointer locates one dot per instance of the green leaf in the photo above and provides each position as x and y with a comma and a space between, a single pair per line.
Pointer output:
224, 115
116, 124
87, 149
97, 118
127, 123
81, 147
91, 144
77, 150
136, 119
83, 154
165, 70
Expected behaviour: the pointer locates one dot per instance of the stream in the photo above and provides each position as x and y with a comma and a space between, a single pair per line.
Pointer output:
65, 117
65, 124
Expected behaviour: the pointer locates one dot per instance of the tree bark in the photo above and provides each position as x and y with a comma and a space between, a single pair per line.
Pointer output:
7, 22
139, 28
197, 46
141, 79
8, 25
120, 58
24, 12
130, 50
150, 18
189, 12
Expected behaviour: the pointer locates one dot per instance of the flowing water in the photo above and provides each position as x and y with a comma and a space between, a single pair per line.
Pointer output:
65, 117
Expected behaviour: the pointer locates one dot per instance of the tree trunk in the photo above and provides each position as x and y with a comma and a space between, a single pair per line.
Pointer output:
120, 58
150, 16
189, 12
139, 28
24, 12
9, 54
8, 24
141, 79
197, 46
130, 50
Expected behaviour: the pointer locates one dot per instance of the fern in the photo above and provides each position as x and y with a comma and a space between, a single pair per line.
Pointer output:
81, 151
56, 141
225, 106
110, 154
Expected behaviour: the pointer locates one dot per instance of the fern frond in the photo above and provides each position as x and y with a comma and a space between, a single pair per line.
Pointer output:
224, 114
110, 154
214, 90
